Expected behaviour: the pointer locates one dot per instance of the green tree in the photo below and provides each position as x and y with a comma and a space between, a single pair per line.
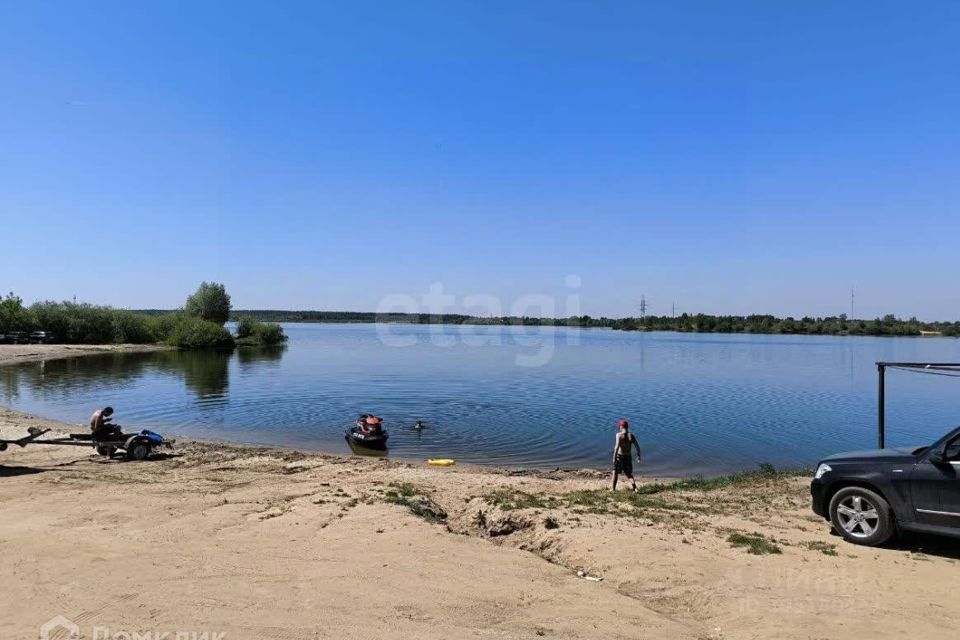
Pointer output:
211, 302
13, 315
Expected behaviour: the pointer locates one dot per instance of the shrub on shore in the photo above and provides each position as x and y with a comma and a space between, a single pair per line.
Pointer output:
253, 332
74, 323
161, 326
245, 326
198, 326
189, 332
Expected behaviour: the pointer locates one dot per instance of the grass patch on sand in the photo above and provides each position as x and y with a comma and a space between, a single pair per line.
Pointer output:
400, 493
416, 502
513, 499
659, 501
606, 501
590, 501
765, 473
825, 548
754, 543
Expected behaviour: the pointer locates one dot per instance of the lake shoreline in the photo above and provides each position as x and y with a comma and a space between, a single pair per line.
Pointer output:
19, 353
701, 405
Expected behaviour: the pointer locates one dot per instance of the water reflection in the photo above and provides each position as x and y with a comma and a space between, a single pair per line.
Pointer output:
206, 374
364, 451
9, 384
54, 378
247, 356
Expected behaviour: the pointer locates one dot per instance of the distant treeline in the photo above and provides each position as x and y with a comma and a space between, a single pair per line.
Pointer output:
688, 323
269, 315
888, 325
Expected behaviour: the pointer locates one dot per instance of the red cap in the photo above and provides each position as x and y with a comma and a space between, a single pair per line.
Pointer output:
623, 423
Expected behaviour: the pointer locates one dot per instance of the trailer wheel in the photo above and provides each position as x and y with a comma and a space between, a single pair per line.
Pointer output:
139, 450
106, 450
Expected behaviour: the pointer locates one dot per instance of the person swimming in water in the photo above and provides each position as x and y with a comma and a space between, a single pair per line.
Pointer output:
622, 448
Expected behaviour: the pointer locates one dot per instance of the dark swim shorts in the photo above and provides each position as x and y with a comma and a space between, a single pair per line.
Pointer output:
623, 464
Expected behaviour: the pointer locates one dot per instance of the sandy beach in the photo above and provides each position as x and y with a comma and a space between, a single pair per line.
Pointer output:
259, 543
14, 353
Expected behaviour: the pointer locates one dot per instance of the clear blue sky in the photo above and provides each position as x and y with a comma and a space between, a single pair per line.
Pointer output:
732, 157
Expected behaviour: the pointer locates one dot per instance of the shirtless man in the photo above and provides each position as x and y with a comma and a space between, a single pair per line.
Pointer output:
100, 421
622, 448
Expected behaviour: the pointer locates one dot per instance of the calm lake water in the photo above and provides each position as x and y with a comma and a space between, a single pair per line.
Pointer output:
533, 397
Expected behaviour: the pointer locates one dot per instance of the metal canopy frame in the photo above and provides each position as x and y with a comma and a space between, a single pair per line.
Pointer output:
951, 369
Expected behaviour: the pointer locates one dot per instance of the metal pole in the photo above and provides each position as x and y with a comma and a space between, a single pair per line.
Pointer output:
881, 404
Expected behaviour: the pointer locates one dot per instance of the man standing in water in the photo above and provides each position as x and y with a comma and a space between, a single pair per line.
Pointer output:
622, 448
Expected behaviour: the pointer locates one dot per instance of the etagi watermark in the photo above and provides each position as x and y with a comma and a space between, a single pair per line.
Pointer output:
538, 344
62, 628
790, 591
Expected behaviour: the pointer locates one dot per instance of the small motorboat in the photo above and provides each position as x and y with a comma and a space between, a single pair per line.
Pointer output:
368, 432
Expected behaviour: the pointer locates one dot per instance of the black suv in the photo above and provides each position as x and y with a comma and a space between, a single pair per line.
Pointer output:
870, 495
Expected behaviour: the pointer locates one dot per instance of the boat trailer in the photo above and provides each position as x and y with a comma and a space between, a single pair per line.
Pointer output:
134, 446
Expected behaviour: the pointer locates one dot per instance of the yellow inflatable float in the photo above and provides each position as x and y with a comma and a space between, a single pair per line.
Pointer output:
441, 462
